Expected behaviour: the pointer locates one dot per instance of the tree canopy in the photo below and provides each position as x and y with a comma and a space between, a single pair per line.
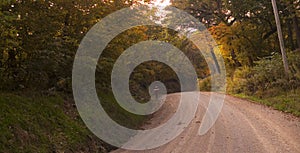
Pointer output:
41, 36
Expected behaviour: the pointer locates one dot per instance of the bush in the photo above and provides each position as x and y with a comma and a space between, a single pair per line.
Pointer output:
205, 84
267, 77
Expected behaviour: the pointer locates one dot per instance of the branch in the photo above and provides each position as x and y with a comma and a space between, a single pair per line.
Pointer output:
267, 35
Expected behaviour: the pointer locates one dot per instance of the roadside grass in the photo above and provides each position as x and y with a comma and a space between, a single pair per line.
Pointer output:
288, 102
39, 123
118, 114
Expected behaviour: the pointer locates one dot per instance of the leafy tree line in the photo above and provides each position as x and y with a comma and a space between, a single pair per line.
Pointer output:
247, 36
246, 31
41, 39
42, 36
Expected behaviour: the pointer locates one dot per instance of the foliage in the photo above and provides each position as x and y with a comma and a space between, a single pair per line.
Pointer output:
40, 44
148, 72
266, 79
267, 84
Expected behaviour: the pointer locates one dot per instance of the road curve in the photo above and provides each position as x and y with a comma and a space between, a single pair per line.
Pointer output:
242, 127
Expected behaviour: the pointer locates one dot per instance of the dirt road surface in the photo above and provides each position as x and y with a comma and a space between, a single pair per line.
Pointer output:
242, 127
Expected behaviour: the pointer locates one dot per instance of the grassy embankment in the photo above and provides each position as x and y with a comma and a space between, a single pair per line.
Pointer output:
286, 102
39, 123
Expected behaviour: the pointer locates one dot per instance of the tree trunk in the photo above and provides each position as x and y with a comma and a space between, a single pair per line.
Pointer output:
217, 66
233, 56
290, 34
251, 62
297, 30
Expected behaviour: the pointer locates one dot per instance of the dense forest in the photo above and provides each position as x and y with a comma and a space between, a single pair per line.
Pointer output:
39, 40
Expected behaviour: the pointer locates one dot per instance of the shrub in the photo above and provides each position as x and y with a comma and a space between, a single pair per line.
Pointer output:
267, 77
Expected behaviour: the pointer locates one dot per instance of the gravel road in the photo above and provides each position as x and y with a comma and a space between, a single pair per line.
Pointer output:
242, 127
